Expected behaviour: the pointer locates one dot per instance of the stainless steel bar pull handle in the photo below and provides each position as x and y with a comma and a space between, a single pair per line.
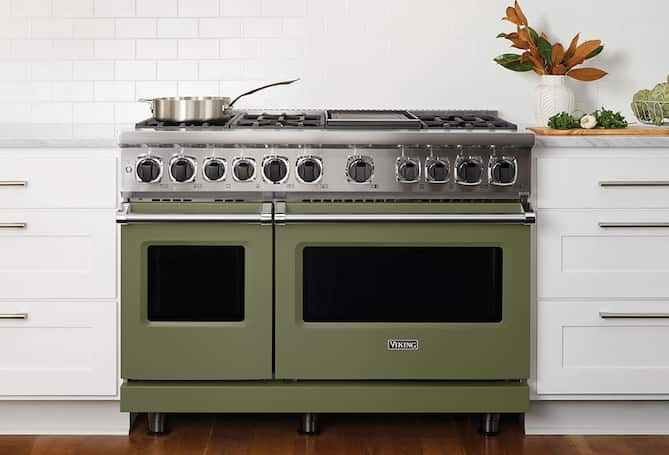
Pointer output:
609, 315
633, 225
13, 183
125, 216
13, 225
18, 316
633, 183
527, 218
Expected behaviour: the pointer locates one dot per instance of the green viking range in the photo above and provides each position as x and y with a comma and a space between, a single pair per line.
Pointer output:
326, 261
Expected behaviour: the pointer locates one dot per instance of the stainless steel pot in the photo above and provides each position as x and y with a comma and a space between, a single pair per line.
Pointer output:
197, 108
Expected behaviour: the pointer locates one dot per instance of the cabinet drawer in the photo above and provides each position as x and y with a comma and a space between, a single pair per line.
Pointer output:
603, 182
603, 253
56, 254
53, 181
587, 348
61, 348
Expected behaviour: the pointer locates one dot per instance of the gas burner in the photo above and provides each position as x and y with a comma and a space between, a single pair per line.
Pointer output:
155, 124
463, 120
279, 120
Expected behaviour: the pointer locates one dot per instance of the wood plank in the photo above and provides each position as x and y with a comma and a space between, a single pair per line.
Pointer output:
342, 434
630, 131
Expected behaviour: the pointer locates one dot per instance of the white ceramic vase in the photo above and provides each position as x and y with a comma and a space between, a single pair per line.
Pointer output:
552, 96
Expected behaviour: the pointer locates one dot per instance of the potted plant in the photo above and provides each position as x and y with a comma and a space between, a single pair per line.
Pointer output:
552, 62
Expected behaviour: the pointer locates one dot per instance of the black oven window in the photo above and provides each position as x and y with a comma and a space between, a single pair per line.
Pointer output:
195, 283
402, 284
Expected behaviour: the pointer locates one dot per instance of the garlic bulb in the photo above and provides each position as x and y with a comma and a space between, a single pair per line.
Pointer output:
588, 122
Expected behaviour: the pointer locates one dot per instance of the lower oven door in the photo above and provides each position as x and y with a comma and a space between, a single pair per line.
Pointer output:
196, 291
403, 291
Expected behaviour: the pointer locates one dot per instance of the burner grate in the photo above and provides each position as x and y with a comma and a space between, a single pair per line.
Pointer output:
473, 120
153, 123
279, 120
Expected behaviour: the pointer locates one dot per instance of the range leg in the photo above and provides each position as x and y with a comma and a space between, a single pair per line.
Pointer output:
308, 424
156, 423
490, 424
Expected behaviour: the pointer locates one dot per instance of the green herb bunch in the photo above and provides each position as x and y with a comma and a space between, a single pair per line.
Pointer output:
606, 119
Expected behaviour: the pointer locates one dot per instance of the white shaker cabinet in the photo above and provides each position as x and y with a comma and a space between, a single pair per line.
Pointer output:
602, 245
58, 274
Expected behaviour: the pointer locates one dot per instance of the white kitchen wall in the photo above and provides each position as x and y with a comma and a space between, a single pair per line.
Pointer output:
76, 67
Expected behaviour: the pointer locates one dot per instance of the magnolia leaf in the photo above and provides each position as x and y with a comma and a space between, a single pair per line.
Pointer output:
520, 14
513, 63
546, 50
572, 47
582, 52
557, 54
533, 34
587, 74
595, 53
501, 35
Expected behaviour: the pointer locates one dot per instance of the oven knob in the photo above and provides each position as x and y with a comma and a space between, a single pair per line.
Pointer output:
275, 169
408, 171
244, 169
437, 171
214, 169
182, 169
148, 170
469, 172
503, 172
309, 169
360, 170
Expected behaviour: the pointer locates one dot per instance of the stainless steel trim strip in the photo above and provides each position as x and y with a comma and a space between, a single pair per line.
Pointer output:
125, 216
500, 218
13, 225
633, 225
633, 183
13, 183
608, 315
18, 316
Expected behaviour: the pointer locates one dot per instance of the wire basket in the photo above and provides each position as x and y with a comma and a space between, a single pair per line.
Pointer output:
651, 112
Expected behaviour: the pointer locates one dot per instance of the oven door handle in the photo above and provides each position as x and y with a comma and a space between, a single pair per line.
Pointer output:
526, 217
125, 216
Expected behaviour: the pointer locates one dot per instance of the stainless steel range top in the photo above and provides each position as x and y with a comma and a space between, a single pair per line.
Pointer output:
332, 154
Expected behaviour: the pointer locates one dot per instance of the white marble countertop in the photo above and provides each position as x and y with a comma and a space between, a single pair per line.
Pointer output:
57, 143
602, 142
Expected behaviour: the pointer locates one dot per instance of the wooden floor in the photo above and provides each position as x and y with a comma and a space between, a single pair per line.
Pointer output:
341, 435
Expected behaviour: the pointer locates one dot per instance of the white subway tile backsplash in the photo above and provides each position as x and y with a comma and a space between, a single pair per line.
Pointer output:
5, 49
51, 70
198, 88
281, 48
262, 27
73, 49
93, 113
14, 28
240, 8
25, 92
155, 89
197, 8
114, 91
15, 71
281, 8
73, 8
131, 112
156, 49
31, 8
5, 8
51, 113
15, 112
113, 49
135, 70
222, 27
239, 48
294, 27
114, 8
177, 28
220, 70
73, 91
50, 28
156, 8
198, 48
93, 70
93, 131
32, 49
135, 28
93, 28
177, 70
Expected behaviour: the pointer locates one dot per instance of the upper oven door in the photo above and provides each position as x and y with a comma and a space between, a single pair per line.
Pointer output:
196, 292
370, 294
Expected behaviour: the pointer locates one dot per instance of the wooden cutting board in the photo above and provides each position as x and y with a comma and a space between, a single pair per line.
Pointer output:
629, 131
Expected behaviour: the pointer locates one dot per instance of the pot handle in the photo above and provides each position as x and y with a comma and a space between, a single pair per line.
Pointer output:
251, 92
145, 100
